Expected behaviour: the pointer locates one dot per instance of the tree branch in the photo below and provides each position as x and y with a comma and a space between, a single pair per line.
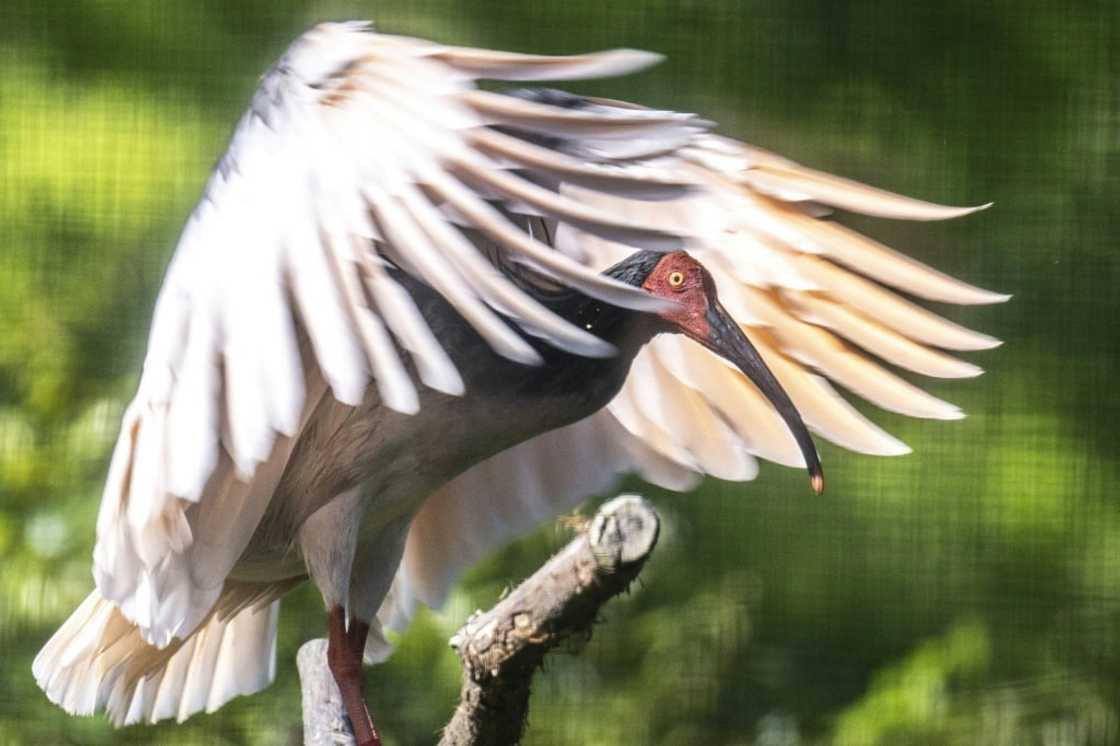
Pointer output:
324, 716
502, 648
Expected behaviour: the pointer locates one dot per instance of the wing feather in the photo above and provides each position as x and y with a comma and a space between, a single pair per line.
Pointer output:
281, 289
901, 315
589, 120
485, 63
875, 260
649, 183
820, 349
771, 174
876, 338
498, 292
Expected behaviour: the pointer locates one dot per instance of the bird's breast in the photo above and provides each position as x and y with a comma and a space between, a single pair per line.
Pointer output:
399, 459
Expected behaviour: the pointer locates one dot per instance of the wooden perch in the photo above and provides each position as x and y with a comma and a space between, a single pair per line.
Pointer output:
502, 648
324, 716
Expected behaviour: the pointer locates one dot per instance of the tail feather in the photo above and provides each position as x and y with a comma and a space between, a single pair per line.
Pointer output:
99, 661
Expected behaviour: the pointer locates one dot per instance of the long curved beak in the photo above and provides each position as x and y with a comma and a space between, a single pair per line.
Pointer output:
727, 340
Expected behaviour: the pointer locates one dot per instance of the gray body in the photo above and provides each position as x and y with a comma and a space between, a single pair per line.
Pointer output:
358, 475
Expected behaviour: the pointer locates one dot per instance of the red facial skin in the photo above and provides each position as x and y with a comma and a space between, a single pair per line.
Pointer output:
691, 293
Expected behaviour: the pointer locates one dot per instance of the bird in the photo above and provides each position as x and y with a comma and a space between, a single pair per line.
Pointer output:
411, 318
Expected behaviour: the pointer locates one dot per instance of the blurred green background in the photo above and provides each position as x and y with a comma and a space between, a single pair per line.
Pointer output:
966, 594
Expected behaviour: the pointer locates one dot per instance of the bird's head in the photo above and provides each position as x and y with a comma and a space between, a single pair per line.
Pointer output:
697, 313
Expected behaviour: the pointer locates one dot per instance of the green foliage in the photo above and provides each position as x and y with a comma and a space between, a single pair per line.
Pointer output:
965, 594
910, 700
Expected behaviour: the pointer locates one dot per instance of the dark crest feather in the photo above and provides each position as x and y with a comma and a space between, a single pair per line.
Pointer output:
634, 269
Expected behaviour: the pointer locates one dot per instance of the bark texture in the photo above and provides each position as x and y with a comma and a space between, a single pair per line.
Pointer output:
502, 648
324, 716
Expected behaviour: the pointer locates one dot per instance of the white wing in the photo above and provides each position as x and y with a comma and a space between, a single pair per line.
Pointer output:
813, 297
359, 153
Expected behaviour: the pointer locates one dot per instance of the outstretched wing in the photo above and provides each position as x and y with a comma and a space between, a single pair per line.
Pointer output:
360, 152
821, 303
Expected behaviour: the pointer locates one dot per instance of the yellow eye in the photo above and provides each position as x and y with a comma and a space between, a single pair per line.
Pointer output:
676, 279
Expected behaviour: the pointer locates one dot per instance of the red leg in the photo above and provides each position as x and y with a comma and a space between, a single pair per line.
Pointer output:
344, 658
356, 634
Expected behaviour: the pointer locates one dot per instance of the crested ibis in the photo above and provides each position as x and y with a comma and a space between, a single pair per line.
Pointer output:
410, 318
